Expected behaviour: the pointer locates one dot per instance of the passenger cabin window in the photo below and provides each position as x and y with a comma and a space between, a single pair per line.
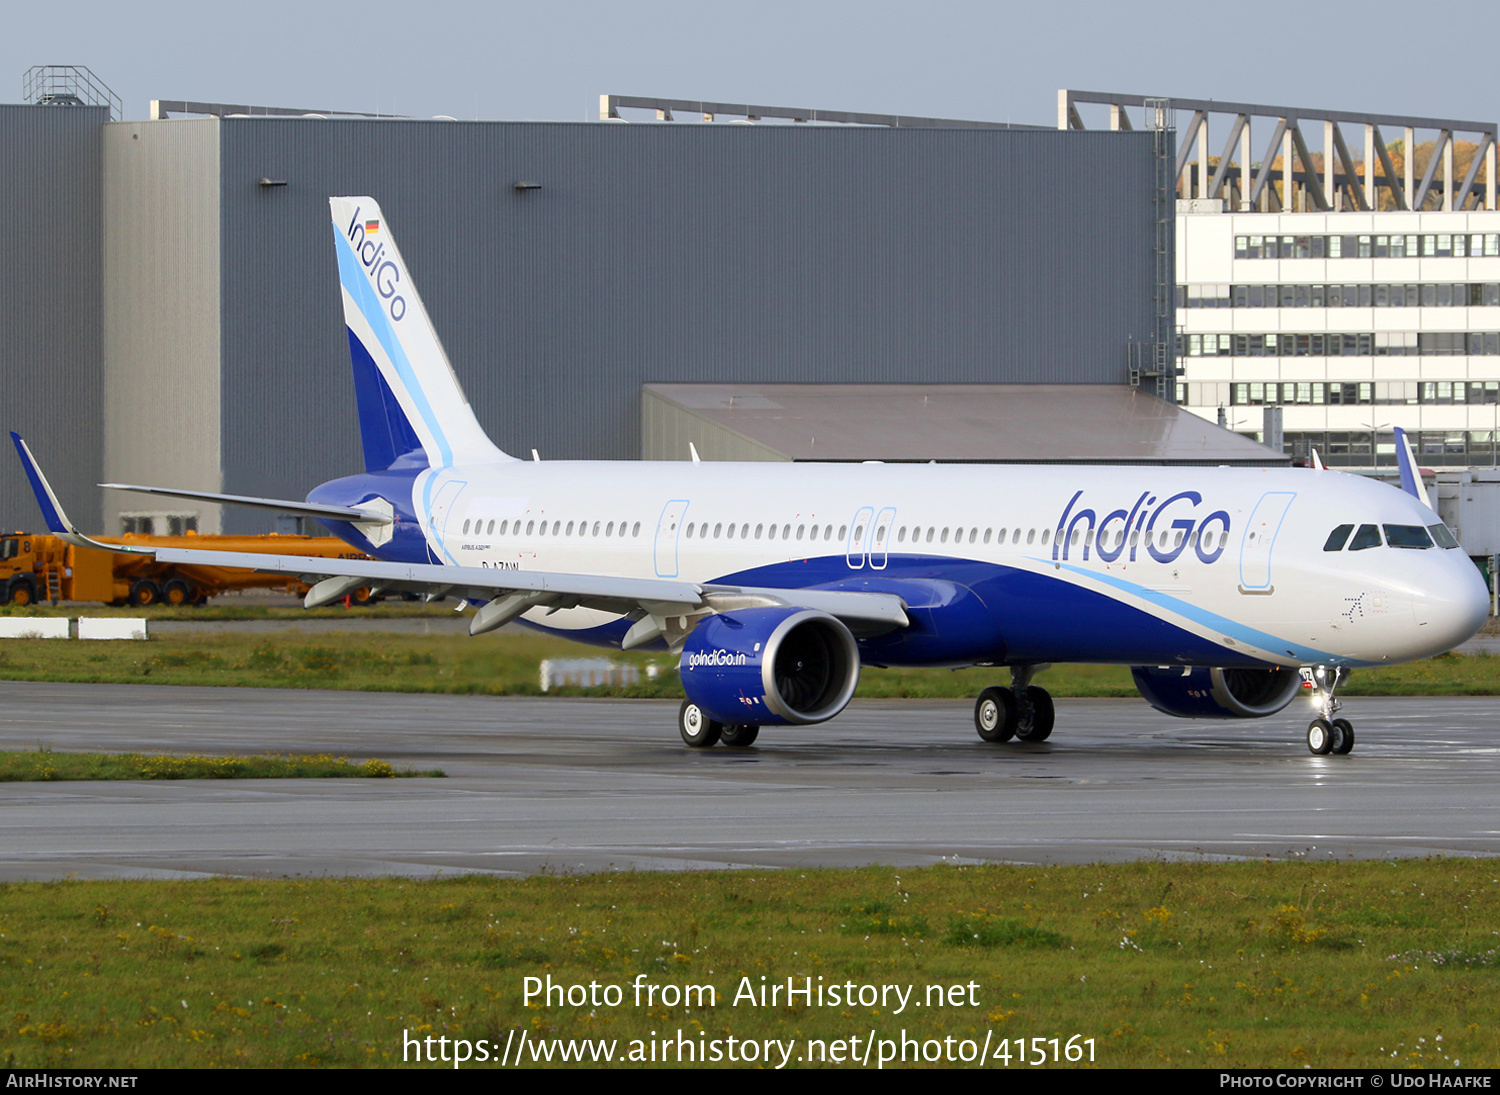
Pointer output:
1407, 536
1368, 536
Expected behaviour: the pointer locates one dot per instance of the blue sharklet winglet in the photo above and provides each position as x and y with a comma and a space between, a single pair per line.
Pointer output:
52, 512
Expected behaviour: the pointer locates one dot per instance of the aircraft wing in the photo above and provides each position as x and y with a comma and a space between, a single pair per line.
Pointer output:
662, 608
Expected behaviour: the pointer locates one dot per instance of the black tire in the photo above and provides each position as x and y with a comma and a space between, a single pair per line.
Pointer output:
178, 593
1038, 727
696, 728
739, 735
1319, 737
995, 714
20, 593
144, 593
1343, 737
363, 597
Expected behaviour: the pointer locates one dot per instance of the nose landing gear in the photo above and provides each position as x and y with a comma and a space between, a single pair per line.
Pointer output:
1326, 734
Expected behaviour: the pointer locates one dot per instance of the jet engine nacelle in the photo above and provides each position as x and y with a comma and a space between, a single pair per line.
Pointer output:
767, 666
1202, 693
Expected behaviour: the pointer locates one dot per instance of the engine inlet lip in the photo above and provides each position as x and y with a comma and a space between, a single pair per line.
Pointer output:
848, 651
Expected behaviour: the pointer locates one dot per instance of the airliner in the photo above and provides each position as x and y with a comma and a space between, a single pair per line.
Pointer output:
1224, 589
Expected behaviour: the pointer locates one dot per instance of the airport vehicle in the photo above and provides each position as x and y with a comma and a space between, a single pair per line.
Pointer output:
42, 567
775, 583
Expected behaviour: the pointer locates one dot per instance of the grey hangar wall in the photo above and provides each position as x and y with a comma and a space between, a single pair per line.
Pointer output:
647, 253
51, 304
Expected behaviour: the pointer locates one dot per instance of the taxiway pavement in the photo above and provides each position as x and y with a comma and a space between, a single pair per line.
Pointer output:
586, 785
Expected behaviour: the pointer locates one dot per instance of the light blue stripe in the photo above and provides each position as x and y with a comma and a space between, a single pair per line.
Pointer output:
1307, 655
352, 275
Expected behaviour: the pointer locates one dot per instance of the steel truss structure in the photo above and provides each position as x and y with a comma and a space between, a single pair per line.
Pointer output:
667, 110
1340, 182
165, 108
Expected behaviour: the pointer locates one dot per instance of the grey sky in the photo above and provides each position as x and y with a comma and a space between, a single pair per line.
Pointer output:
954, 59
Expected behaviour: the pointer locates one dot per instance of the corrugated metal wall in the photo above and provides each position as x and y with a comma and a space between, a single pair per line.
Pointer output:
162, 312
50, 293
667, 429
670, 253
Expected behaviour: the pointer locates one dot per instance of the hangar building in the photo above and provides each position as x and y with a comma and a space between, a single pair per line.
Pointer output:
180, 323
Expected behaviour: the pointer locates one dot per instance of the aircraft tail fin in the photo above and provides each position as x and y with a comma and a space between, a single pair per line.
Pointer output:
412, 410
1411, 475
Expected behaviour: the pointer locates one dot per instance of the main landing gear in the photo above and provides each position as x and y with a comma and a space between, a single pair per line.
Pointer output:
1326, 734
1022, 711
701, 732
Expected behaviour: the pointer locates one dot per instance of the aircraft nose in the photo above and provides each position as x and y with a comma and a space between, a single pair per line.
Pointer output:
1453, 609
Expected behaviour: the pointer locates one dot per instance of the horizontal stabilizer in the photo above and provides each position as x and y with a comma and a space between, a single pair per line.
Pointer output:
312, 509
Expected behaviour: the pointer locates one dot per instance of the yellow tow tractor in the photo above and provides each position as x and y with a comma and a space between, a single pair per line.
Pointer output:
39, 567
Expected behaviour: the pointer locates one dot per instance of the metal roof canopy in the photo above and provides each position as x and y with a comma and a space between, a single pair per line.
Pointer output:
960, 423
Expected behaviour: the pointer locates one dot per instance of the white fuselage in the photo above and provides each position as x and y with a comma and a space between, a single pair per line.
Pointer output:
1233, 557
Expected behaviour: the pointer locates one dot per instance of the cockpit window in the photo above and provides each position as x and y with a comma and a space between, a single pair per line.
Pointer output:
1368, 536
1407, 536
1337, 538
1443, 535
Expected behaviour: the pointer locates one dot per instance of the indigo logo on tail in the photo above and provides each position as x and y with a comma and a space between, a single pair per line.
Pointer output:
384, 274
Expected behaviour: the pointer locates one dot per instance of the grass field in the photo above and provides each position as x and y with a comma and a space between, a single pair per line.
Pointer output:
241, 607
44, 765
1353, 964
507, 664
